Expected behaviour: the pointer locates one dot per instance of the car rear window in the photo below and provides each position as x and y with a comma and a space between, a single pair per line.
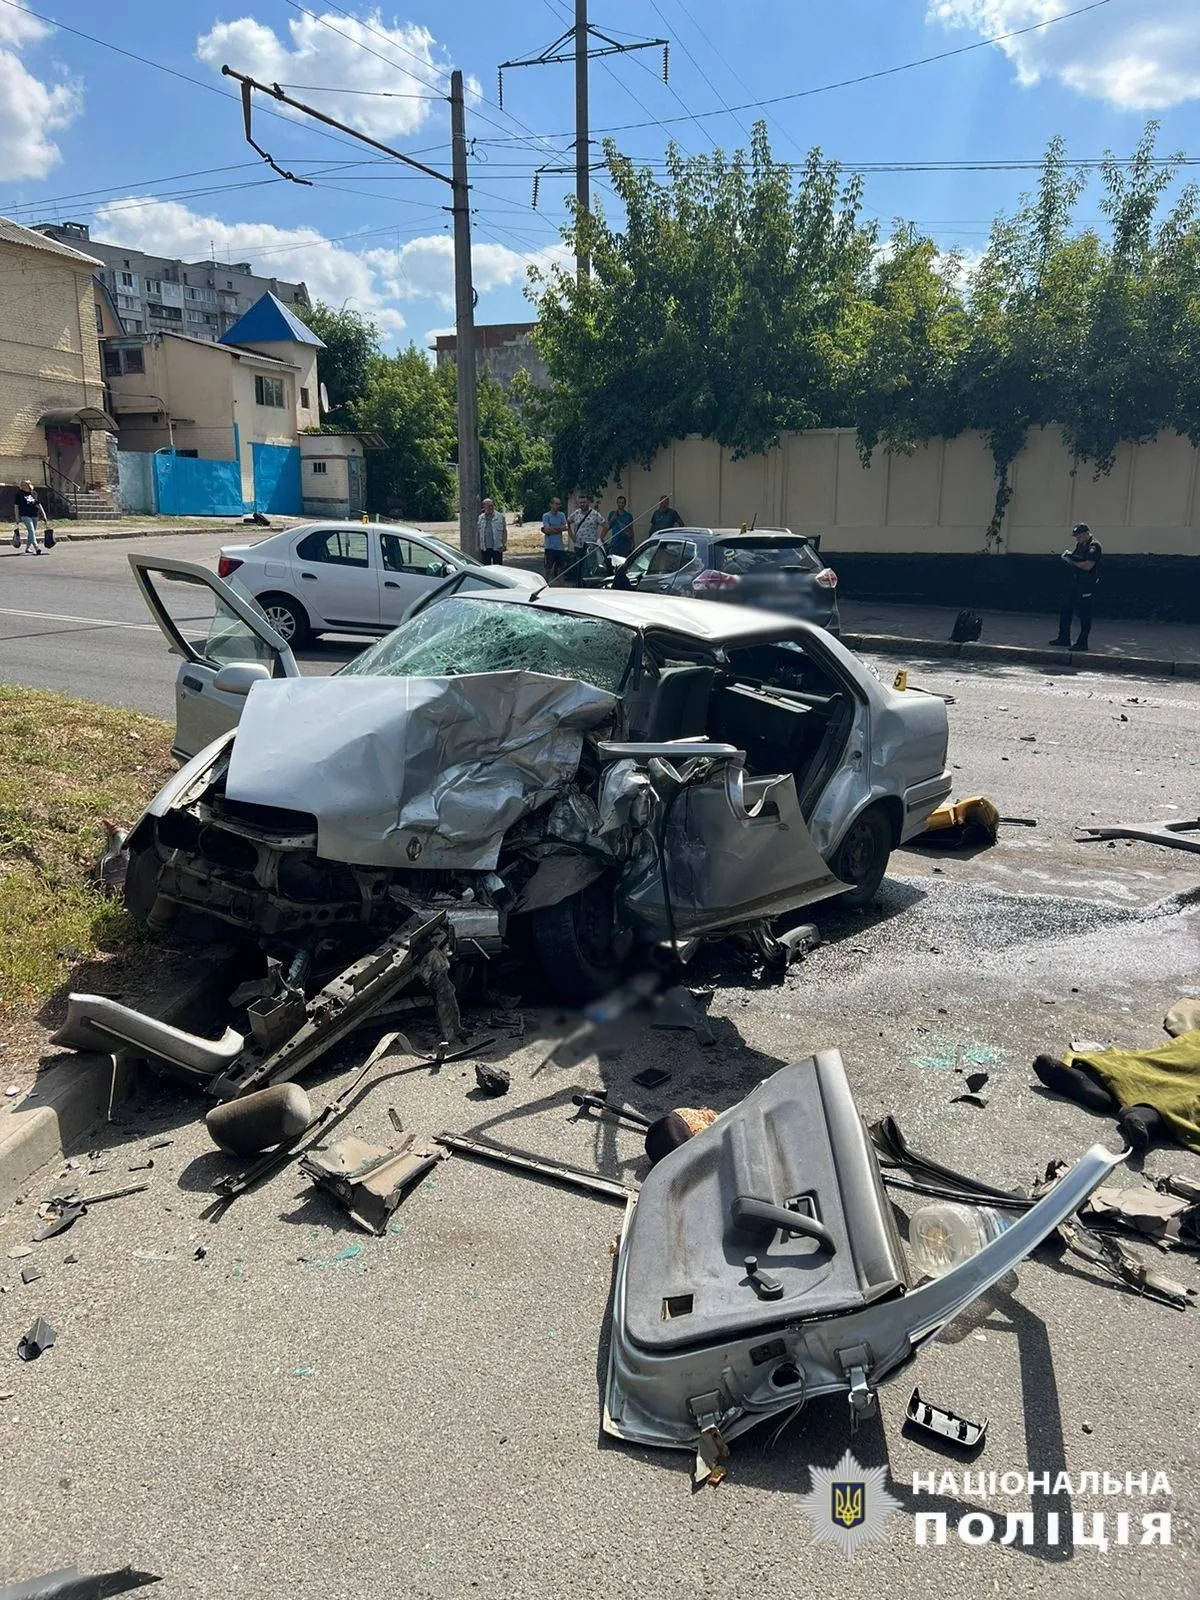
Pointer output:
766, 555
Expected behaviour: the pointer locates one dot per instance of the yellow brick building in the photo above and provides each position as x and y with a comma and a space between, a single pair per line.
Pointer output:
54, 428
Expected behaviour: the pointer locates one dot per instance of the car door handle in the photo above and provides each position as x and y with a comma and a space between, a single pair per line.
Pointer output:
388, 583
309, 577
193, 683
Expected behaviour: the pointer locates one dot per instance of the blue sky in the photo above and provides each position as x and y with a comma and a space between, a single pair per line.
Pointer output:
159, 163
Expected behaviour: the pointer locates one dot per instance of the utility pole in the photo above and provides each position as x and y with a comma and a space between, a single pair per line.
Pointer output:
583, 176
464, 293
464, 329
573, 45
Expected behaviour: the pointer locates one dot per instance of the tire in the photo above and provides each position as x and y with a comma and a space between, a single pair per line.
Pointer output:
862, 857
141, 882
288, 617
578, 945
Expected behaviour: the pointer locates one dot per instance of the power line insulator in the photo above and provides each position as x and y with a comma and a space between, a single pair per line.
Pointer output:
666, 63
536, 180
500, 87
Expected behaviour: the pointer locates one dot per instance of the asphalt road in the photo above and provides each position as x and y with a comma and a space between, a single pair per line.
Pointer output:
306, 1410
73, 619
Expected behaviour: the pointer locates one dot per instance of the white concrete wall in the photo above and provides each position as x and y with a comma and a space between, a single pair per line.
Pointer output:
939, 499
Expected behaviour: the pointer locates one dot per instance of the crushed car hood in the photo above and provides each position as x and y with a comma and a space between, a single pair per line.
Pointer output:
413, 772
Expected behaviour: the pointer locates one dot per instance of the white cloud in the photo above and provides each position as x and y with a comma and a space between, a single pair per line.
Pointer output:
1139, 55
366, 54
371, 280
29, 109
423, 269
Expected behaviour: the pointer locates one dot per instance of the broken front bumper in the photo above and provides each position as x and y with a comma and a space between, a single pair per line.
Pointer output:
722, 1317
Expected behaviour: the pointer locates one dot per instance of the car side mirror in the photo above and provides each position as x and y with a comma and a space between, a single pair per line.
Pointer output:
437, 569
239, 677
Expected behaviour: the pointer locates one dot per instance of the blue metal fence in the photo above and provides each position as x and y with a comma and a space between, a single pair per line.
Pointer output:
185, 486
277, 479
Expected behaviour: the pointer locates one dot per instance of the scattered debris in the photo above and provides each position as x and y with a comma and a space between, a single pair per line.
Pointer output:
1175, 835
976, 1081
695, 1352
199, 1253
943, 1424
31, 1273
976, 1100
40, 1337
589, 1102
260, 1121
681, 1009
503, 1155
142, 1166
367, 1180
67, 1584
12, 1090
114, 860
650, 1078
160, 1144
961, 824
492, 1081
394, 1119
19, 1251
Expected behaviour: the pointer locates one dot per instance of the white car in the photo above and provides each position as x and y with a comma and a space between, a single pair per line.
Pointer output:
340, 577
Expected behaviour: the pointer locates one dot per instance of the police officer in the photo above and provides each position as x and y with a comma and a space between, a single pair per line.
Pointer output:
1084, 560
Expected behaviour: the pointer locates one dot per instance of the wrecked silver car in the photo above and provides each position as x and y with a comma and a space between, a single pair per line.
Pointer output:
596, 771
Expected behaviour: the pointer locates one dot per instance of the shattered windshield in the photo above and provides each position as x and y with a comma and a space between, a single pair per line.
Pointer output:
466, 635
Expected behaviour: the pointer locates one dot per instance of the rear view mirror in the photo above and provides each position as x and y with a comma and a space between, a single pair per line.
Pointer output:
239, 677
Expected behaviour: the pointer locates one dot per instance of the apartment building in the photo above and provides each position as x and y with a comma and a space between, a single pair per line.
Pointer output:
161, 294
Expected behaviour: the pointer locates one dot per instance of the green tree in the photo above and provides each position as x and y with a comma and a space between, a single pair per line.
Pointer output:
411, 406
351, 345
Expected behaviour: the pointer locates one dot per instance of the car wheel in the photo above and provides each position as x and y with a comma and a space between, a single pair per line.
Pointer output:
141, 882
862, 857
288, 617
579, 947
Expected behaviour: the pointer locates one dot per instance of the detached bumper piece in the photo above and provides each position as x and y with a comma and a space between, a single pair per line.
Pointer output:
760, 1267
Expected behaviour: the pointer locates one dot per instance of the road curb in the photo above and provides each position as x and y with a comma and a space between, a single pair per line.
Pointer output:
69, 1101
888, 644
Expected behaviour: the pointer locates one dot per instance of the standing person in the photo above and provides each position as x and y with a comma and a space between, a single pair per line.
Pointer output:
588, 528
27, 509
665, 516
620, 530
1084, 560
493, 534
554, 550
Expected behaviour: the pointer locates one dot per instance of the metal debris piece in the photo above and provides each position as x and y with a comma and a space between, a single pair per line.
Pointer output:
492, 1080
943, 1424
394, 1119
588, 1103
504, 1155
976, 1100
1183, 835
367, 1180
416, 953
160, 1144
40, 1337
680, 1009
142, 1166
67, 1584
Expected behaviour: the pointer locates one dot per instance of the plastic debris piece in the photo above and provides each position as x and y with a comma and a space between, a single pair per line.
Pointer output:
943, 1424
20, 1251
61, 1220
69, 1584
976, 1081
31, 1273
40, 1337
651, 1077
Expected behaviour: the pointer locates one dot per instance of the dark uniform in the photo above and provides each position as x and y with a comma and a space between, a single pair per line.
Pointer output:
1078, 599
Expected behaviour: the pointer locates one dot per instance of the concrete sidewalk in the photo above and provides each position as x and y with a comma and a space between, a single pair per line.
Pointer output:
1112, 640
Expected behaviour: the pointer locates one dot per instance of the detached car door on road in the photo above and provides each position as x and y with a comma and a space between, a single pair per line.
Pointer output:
226, 643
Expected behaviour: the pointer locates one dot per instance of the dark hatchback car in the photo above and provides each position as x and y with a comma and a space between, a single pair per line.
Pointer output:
771, 568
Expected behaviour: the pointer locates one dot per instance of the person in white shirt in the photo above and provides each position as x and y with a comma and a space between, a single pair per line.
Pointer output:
493, 535
588, 528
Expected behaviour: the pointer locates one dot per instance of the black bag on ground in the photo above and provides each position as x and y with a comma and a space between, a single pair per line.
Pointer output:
968, 625
48, 537
16, 538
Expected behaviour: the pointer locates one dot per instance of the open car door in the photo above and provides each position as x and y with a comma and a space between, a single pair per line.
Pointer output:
472, 579
226, 643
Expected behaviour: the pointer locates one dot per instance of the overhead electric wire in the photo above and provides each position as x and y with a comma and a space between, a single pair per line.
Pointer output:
846, 83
